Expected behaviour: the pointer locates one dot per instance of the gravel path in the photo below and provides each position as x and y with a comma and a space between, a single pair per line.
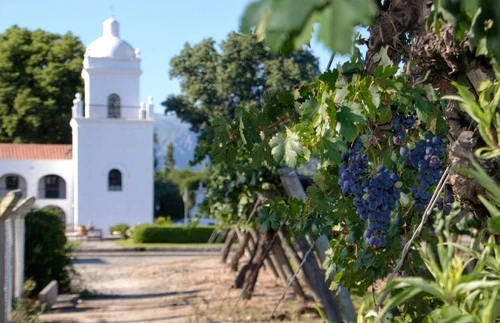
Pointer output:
172, 287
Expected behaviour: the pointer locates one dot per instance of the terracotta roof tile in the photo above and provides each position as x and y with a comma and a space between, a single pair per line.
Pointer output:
35, 151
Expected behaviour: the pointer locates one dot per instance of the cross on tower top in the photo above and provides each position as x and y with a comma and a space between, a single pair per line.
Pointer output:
112, 9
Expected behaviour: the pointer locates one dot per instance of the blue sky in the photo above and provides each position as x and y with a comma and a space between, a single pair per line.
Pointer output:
158, 28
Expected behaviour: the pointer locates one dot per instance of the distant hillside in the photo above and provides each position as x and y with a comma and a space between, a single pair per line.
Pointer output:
169, 128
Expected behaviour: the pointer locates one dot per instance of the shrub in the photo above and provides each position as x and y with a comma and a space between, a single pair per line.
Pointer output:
121, 228
47, 257
165, 221
25, 310
163, 234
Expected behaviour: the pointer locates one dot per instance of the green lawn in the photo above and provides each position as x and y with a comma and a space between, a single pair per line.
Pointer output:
131, 244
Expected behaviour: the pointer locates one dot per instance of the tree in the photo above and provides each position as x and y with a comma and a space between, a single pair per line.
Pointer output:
169, 157
39, 76
170, 185
168, 199
214, 81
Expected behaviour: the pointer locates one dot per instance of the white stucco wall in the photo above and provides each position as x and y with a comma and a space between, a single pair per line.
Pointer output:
100, 145
105, 76
32, 171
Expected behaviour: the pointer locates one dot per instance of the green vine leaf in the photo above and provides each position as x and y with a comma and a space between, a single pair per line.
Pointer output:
347, 118
268, 219
284, 28
288, 149
339, 19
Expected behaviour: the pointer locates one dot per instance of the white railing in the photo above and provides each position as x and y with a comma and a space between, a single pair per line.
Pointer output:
12, 213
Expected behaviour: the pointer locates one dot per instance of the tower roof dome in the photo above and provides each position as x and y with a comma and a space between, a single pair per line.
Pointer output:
110, 45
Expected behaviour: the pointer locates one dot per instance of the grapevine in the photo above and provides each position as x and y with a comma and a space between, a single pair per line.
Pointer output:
374, 129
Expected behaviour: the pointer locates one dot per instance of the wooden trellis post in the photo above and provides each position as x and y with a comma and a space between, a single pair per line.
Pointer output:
294, 188
6, 253
18, 230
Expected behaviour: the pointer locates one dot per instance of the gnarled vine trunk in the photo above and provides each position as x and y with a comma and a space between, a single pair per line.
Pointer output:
438, 60
230, 239
254, 266
243, 273
240, 250
267, 262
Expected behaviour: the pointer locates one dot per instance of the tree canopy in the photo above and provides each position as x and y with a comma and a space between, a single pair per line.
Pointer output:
169, 157
39, 76
215, 79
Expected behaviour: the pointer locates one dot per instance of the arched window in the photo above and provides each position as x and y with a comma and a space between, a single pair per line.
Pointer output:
52, 187
10, 182
114, 106
114, 180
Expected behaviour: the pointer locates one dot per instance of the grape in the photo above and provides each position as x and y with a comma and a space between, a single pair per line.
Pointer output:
403, 151
374, 196
352, 168
409, 122
426, 157
448, 199
377, 203
399, 134
399, 122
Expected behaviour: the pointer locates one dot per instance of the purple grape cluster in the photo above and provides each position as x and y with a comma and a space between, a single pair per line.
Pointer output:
376, 203
426, 157
352, 169
373, 196
444, 204
399, 123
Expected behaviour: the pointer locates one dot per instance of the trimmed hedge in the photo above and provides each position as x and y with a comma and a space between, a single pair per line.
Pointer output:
151, 233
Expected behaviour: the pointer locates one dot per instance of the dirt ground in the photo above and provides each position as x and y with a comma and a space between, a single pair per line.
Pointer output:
176, 287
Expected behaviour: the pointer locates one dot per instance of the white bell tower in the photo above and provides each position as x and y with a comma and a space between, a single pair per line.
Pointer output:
112, 136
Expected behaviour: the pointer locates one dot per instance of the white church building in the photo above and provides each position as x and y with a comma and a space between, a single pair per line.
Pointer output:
106, 175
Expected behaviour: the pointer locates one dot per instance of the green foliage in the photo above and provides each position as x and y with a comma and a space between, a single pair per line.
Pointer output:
492, 200
477, 20
452, 293
287, 148
215, 80
484, 111
285, 28
168, 199
39, 76
121, 228
316, 122
163, 234
25, 310
46, 255
169, 157
320, 120
187, 179
166, 221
